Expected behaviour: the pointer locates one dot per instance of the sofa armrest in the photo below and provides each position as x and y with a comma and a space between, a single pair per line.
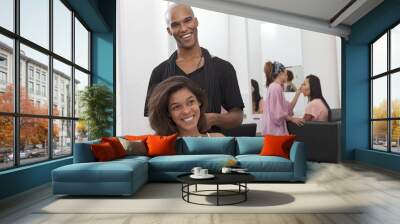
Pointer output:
298, 157
83, 152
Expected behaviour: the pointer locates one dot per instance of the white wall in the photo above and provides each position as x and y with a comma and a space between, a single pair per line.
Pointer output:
339, 66
238, 57
213, 32
281, 43
254, 54
142, 43
212, 26
320, 59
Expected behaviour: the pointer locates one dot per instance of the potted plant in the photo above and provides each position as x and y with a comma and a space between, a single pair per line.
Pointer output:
96, 102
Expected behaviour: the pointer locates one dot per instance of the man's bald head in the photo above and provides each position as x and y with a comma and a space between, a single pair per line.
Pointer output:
182, 25
174, 7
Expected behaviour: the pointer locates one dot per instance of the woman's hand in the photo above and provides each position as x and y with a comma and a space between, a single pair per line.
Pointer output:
299, 90
295, 98
211, 119
296, 120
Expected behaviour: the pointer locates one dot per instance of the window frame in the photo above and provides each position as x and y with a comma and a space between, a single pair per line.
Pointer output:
3, 77
15, 72
3, 70
388, 74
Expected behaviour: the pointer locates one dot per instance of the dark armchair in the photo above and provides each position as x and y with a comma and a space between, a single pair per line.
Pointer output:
321, 139
248, 130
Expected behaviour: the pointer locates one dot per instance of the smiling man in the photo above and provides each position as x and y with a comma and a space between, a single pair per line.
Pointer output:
214, 75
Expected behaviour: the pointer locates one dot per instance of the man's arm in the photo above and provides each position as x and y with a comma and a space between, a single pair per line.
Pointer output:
231, 119
231, 99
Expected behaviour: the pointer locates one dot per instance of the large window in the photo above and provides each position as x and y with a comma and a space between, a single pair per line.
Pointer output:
385, 91
44, 64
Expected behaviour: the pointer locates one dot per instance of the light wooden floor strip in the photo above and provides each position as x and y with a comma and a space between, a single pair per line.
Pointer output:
353, 182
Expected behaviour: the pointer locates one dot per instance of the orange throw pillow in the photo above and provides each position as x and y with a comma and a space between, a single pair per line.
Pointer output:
116, 145
277, 145
161, 145
136, 137
103, 152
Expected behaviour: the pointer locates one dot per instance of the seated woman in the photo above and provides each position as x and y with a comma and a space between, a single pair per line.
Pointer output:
177, 105
317, 108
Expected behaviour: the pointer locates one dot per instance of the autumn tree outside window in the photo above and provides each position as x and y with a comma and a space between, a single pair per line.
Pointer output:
385, 91
44, 64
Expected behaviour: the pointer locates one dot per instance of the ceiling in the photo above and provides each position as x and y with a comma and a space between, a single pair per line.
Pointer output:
326, 16
320, 9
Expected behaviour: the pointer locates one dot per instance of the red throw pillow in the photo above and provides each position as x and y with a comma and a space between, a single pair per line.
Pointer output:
277, 145
116, 145
103, 152
161, 145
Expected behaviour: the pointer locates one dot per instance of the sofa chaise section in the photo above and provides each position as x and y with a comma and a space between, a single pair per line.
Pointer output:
101, 178
87, 177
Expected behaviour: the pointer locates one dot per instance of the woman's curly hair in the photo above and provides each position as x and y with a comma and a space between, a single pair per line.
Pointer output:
158, 105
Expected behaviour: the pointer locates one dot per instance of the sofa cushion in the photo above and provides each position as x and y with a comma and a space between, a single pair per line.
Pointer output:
131, 158
93, 172
112, 171
134, 147
249, 145
142, 138
257, 163
185, 163
206, 145
118, 177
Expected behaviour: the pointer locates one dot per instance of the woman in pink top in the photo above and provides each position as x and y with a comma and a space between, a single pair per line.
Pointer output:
277, 110
317, 109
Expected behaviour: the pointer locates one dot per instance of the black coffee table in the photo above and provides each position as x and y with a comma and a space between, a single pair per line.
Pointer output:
238, 179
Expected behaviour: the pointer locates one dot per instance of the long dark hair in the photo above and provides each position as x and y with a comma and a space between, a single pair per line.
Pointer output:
316, 92
290, 75
267, 71
159, 117
272, 71
255, 95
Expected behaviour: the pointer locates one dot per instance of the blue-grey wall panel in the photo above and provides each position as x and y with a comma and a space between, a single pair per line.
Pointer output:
382, 159
356, 106
355, 76
103, 64
24, 178
103, 59
89, 11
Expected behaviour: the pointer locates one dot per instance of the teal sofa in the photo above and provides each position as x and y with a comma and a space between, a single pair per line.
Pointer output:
125, 176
